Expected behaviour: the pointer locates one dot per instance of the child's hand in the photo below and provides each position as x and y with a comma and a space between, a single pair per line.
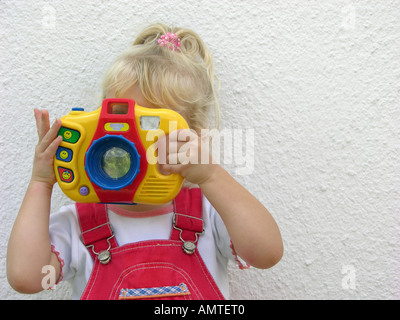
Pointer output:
183, 152
46, 148
252, 229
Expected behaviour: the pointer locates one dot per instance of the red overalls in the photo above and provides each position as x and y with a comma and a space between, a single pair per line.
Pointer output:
154, 269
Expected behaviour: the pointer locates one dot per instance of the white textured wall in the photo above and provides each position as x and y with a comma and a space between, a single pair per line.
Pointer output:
317, 80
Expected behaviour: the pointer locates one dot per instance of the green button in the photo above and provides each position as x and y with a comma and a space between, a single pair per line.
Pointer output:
69, 135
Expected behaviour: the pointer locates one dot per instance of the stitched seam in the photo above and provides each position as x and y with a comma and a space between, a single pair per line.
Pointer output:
92, 280
160, 265
123, 249
207, 275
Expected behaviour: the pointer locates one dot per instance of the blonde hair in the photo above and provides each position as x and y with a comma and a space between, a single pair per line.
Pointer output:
181, 80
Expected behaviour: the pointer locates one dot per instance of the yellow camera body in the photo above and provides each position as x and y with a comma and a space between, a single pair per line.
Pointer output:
109, 155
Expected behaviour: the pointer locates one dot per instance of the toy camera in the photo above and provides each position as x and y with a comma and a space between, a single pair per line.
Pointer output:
104, 154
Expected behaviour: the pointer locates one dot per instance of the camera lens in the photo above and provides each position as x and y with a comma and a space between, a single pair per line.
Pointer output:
112, 162
116, 162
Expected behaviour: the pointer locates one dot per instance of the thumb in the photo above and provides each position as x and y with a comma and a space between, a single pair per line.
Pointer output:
170, 168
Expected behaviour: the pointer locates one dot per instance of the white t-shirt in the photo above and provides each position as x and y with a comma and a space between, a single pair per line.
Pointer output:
214, 244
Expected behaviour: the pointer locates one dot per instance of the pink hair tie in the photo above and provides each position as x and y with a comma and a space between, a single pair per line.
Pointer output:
170, 40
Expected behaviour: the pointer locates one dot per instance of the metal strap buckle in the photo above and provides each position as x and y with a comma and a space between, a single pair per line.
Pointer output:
188, 247
105, 255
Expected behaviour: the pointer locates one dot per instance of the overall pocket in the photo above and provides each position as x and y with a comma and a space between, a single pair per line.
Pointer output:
168, 292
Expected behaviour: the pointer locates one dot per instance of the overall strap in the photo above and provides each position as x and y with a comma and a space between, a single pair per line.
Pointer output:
96, 232
187, 222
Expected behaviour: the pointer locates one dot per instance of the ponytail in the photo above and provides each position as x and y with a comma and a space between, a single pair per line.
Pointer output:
182, 80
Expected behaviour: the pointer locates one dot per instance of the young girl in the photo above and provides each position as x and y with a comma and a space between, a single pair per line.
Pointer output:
177, 250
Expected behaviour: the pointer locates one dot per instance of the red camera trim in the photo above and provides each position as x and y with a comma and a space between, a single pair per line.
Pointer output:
126, 194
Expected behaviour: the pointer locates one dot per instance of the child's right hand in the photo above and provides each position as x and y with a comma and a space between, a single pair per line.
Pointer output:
29, 246
46, 148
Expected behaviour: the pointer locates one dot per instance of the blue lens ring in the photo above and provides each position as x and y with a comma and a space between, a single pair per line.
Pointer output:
94, 157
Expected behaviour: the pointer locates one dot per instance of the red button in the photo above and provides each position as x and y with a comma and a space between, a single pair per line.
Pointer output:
66, 175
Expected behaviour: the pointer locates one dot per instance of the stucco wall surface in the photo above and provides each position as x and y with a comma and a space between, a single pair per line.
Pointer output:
317, 81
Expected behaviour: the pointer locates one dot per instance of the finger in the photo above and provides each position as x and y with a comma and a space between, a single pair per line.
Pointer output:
167, 152
160, 168
179, 146
184, 157
50, 136
187, 135
172, 147
38, 119
172, 168
45, 120
172, 158
52, 149
44, 123
187, 156
162, 146
182, 135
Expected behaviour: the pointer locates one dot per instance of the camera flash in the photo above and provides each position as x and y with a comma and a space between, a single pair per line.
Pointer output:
149, 122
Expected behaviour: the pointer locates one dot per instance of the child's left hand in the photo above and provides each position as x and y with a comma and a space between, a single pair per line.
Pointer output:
252, 229
186, 153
